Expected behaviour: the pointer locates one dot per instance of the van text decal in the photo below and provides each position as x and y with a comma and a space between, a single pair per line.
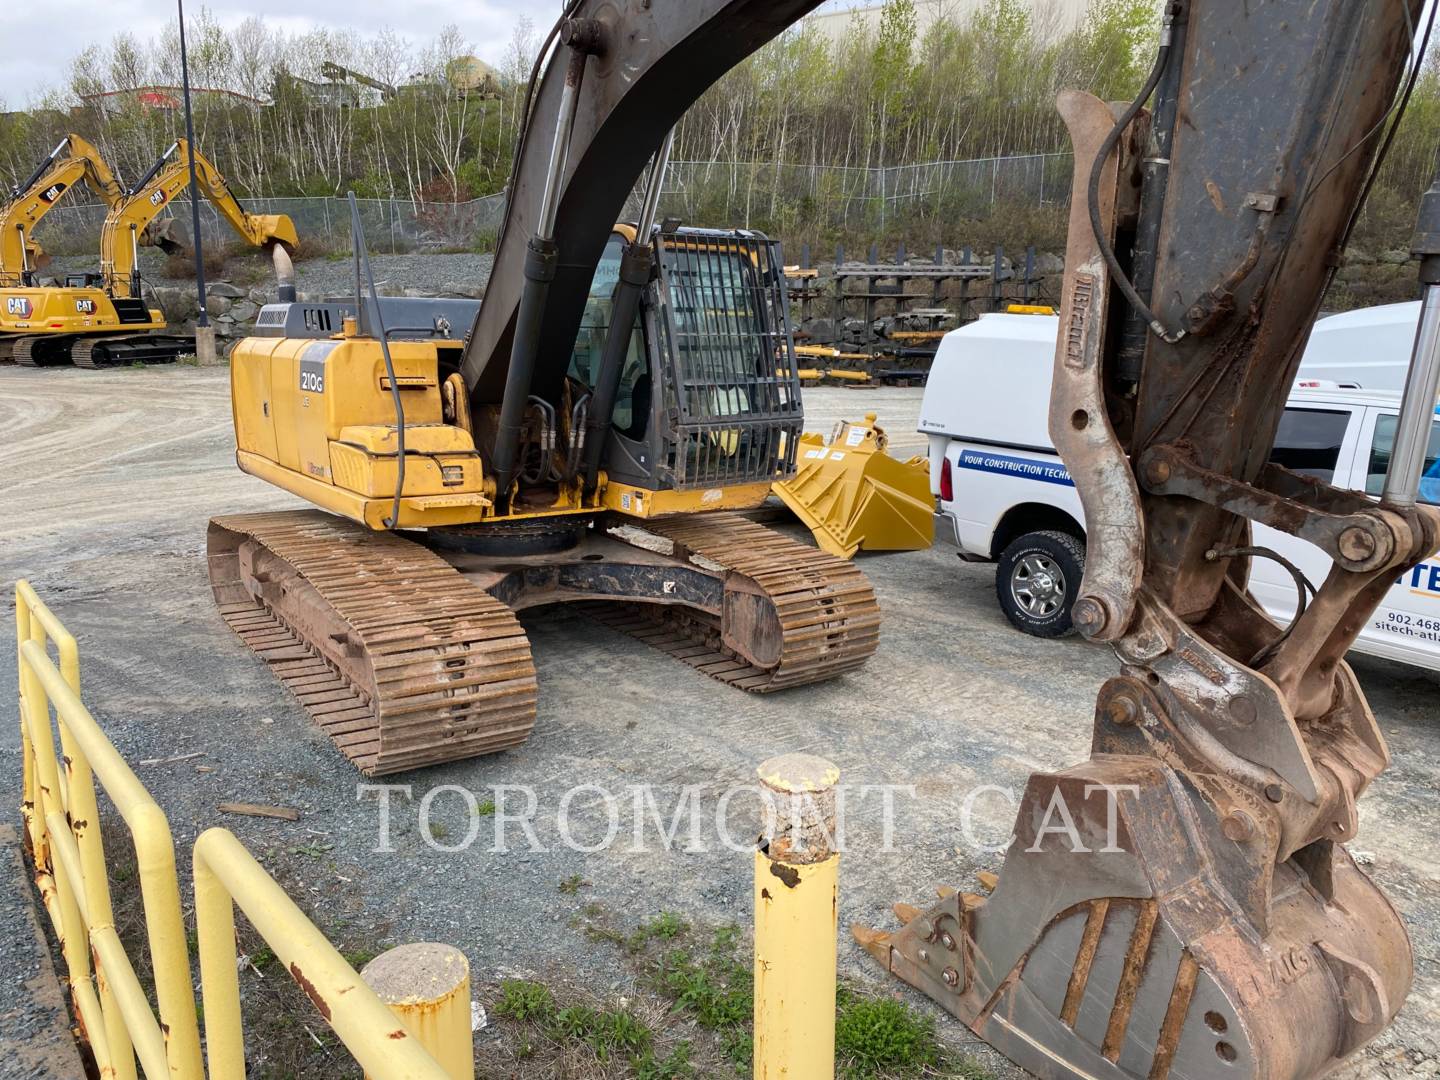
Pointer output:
1025, 468
1422, 580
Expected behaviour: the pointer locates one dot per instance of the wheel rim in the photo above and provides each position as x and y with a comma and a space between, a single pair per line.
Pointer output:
1038, 585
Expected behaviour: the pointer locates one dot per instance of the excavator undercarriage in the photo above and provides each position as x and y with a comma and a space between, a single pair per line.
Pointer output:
407, 650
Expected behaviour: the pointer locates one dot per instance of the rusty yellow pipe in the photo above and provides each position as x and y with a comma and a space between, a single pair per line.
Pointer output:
427, 985
227, 876
796, 891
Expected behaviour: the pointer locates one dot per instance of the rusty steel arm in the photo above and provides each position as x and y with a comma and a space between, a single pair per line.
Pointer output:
1198, 914
652, 62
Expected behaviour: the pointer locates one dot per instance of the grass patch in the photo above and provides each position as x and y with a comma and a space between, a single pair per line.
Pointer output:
705, 978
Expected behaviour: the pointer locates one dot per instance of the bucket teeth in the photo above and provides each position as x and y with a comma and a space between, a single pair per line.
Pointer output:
988, 880
905, 912
875, 942
944, 892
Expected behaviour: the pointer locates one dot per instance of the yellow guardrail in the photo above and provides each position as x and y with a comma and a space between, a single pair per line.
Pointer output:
62, 827
62, 823
226, 877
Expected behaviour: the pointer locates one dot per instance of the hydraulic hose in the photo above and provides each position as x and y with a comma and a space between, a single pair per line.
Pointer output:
1097, 170
362, 261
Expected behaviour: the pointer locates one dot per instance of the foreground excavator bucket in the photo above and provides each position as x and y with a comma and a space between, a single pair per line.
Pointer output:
855, 497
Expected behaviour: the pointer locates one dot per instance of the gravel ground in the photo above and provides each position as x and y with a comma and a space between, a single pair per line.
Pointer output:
428, 274
105, 512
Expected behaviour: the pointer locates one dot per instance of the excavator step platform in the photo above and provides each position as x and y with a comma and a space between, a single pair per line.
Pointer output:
405, 656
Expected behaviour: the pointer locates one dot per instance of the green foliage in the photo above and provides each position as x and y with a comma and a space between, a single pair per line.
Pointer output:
523, 1000
874, 1036
967, 86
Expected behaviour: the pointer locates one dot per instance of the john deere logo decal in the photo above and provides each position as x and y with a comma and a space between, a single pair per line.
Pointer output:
19, 306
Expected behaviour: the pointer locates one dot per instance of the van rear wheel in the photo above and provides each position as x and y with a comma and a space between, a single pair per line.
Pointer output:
1036, 580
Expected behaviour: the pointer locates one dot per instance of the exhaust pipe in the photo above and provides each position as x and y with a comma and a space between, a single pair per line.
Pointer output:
284, 274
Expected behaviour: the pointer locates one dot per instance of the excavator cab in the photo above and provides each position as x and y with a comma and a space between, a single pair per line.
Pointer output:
707, 396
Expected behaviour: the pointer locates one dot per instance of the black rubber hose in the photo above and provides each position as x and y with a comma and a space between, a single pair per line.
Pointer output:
362, 255
1097, 170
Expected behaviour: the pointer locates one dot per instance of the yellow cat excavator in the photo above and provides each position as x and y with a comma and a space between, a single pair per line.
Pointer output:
1180, 905
74, 160
101, 320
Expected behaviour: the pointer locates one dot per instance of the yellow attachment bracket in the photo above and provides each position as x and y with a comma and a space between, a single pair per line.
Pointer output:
853, 496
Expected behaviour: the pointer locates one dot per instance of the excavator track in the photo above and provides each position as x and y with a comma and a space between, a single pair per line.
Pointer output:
394, 654
22, 351
122, 349
826, 617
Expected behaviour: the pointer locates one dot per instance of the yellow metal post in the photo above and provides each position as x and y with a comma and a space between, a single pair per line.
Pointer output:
796, 892
427, 985
43, 686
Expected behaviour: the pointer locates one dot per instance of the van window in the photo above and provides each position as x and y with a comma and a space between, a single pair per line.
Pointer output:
1384, 444
1308, 441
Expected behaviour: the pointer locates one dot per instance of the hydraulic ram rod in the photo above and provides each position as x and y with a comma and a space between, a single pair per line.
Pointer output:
541, 261
1422, 382
635, 266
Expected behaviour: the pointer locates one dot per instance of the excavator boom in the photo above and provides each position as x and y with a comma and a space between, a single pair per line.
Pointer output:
120, 237
74, 160
646, 64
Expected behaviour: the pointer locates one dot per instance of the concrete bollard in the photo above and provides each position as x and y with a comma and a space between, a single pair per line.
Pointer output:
427, 985
796, 887
205, 346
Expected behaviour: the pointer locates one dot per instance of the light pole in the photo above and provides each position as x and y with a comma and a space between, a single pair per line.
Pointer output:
204, 332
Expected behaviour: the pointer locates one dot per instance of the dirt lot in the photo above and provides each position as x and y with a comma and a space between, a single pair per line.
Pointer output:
107, 479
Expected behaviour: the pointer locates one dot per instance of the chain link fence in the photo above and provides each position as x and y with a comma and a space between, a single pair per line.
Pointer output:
721, 193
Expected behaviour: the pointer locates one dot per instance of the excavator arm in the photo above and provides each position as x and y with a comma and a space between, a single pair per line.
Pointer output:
121, 235
640, 66
1182, 904
74, 160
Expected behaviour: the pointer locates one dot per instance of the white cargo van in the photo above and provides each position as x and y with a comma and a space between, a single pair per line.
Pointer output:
1010, 499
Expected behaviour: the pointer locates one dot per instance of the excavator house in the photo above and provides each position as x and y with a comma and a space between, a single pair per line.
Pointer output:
102, 319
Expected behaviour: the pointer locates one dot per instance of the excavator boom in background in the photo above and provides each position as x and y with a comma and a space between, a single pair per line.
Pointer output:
74, 160
102, 320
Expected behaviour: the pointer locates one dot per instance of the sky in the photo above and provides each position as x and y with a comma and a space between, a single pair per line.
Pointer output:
72, 25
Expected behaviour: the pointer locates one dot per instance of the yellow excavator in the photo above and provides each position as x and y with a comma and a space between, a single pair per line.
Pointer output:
102, 320
74, 160
1181, 904
615, 387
